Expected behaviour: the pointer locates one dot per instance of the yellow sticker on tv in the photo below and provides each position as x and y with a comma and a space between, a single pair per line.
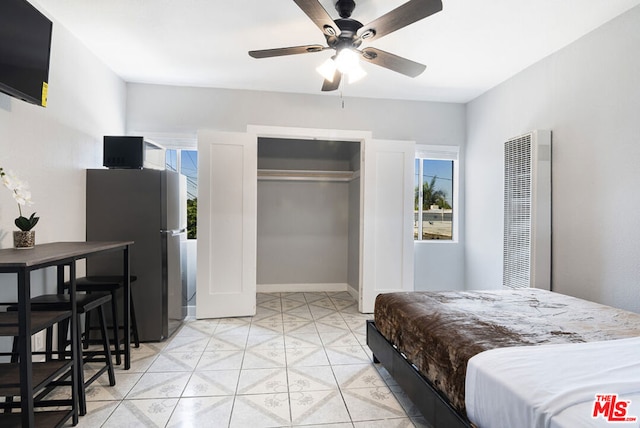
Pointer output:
45, 90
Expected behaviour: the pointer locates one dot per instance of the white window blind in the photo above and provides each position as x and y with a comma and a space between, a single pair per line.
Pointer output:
437, 152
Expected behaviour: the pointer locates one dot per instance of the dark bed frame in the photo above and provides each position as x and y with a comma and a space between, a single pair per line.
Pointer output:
435, 407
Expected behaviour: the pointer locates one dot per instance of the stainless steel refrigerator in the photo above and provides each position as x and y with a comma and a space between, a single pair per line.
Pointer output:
148, 207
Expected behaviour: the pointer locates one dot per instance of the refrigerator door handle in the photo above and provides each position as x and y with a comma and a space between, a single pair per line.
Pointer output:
174, 232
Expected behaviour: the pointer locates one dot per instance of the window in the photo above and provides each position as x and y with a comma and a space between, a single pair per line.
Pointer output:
186, 163
435, 188
171, 160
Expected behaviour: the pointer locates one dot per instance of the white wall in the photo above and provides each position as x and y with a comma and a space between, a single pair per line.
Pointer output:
433, 270
173, 109
51, 147
302, 232
588, 95
353, 244
181, 111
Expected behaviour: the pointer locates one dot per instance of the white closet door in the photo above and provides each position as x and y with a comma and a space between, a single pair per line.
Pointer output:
227, 210
387, 240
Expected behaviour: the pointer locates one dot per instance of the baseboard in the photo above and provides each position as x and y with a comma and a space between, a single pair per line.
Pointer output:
301, 288
191, 311
353, 292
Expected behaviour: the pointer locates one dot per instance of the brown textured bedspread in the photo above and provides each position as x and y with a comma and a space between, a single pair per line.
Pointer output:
439, 331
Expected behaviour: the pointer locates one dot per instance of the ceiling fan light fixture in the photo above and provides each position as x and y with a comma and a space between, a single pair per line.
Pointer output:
346, 60
348, 63
328, 69
356, 73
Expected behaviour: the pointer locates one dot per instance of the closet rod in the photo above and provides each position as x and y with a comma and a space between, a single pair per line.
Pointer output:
306, 175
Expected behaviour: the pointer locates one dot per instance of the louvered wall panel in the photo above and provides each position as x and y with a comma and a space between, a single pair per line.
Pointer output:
527, 211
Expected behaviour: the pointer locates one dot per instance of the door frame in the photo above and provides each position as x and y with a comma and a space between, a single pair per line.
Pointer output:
264, 131
366, 140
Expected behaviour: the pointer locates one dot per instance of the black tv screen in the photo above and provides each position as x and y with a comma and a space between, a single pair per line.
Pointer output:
25, 44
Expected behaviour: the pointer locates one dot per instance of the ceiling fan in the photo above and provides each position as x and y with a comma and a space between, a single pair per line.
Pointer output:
345, 35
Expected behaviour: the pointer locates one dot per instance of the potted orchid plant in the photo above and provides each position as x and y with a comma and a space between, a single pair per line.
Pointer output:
25, 237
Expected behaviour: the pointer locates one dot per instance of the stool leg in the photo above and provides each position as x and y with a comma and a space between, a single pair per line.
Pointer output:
49, 344
63, 341
14, 350
14, 359
134, 325
106, 346
63, 328
82, 397
87, 330
116, 324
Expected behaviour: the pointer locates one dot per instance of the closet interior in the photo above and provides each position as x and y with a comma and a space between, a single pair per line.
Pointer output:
308, 215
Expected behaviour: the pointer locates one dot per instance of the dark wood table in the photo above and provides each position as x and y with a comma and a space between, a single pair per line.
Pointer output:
60, 254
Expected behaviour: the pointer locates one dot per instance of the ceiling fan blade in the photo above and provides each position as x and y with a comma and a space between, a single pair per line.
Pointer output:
332, 86
408, 13
319, 16
294, 50
393, 62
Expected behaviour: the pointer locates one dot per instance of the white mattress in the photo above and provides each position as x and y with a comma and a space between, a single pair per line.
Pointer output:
553, 386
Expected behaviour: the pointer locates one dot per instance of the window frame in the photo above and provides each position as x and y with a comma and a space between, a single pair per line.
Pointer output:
446, 153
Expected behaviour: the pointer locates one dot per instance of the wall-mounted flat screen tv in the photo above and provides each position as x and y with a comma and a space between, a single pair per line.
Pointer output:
25, 45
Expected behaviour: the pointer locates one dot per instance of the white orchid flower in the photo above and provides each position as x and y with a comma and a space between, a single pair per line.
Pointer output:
19, 188
10, 181
20, 192
22, 196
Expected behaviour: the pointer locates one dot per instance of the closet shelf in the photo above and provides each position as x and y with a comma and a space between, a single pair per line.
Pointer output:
306, 175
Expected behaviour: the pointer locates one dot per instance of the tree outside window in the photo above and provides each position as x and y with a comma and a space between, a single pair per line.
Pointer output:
186, 163
433, 204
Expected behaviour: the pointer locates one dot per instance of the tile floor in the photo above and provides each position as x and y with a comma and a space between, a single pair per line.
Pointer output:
302, 360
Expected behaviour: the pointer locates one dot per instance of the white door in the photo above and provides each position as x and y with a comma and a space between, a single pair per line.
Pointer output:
227, 207
387, 229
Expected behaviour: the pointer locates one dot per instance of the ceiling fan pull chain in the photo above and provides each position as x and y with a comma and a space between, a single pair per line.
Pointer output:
342, 99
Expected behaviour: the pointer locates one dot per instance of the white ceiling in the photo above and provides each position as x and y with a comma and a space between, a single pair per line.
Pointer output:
468, 47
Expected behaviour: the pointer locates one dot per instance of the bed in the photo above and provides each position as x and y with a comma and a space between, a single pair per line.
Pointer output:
426, 340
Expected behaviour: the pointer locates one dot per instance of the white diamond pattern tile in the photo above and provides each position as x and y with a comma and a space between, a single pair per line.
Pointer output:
226, 342
263, 358
297, 357
175, 362
302, 360
261, 410
143, 413
372, 403
220, 360
211, 412
263, 381
159, 385
350, 376
212, 383
318, 407
311, 378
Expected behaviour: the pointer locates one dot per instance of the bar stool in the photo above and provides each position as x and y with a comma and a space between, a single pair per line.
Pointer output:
110, 284
85, 303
